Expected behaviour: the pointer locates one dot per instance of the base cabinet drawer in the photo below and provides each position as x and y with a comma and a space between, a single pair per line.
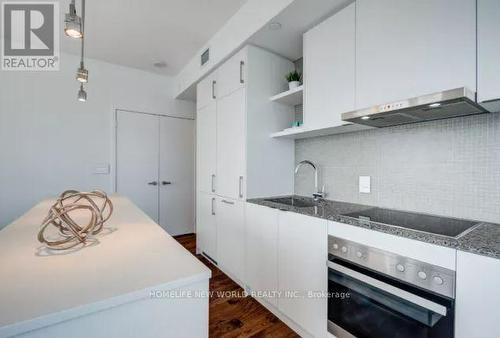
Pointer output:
231, 237
262, 251
477, 296
302, 270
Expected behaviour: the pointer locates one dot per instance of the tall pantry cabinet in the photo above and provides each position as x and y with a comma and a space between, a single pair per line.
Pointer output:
236, 158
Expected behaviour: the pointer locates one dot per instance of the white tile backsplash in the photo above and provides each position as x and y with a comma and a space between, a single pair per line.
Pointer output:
449, 167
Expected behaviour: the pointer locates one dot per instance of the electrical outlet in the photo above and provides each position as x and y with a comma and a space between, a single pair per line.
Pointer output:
364, 184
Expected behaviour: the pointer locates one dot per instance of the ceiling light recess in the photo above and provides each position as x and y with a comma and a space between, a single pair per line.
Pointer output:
274, 26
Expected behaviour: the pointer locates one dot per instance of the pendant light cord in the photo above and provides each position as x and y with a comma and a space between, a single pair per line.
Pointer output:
83, 32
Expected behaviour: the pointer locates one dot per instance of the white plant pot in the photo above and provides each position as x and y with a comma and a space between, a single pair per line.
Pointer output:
293, 84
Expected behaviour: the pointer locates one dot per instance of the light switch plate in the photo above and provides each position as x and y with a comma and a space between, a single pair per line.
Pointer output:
364, 184
100, 169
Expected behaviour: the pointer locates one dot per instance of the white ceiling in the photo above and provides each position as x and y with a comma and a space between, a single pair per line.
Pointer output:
295, 20
138, 33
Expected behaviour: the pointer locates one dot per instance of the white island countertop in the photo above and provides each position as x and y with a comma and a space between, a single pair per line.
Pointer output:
134, 257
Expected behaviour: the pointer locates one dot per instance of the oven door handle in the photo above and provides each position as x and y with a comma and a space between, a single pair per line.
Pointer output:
410, 297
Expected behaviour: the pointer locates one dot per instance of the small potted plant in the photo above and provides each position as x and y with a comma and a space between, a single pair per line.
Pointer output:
293, 79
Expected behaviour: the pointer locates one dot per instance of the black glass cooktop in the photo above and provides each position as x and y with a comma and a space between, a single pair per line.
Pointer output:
450, 227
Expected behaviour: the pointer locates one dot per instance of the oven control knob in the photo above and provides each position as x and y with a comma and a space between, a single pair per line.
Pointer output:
359, 254
400, 267
335, 246
438, 280
344, 249
422, 275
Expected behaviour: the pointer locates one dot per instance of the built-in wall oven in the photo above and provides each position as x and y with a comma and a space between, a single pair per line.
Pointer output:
378, 294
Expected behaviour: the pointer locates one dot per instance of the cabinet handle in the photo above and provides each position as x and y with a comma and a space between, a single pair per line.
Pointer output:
213, 89
166, 182
242, 64
240, 186
213, 206
213, 183
227, 202
153, 183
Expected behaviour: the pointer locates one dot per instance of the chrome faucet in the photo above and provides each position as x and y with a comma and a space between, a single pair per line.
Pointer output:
318, 193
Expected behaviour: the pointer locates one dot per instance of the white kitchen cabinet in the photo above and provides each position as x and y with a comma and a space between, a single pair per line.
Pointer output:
261, 232
329, 70
408, 48
206, 91
233, 142
206, 225
231, 117
477, 296
232, 74
488, 37
302, 258
206, 150
231, 237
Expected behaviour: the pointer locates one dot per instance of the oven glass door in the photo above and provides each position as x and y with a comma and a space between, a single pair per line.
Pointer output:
366, 307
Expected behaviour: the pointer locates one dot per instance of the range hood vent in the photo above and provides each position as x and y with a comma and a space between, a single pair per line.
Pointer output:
443, 105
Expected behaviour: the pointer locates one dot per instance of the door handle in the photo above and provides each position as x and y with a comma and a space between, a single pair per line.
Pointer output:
227, 202
153, 183
166, 182
213, 206
213, 183
242, 64
240, 186
213, 89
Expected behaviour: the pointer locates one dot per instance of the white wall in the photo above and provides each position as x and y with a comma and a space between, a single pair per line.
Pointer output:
50, 142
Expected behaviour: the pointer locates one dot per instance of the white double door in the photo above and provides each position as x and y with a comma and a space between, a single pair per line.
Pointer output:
155, 167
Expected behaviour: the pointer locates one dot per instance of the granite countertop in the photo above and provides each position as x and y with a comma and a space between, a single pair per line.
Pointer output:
482, 239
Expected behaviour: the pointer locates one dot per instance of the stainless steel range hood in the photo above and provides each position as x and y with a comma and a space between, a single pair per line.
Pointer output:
437, 106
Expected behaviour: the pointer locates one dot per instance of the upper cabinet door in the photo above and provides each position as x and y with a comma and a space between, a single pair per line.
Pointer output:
206, 91
329, 70
232, 74
408, 48
231, 154
206, 153
488, 50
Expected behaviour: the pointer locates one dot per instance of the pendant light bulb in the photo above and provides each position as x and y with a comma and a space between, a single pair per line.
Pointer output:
82, 75
73, 23
82, 94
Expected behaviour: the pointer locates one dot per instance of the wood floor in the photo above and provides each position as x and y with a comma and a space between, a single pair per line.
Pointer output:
233, 316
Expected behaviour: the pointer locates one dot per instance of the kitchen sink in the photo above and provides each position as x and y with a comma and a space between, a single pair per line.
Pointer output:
292, 201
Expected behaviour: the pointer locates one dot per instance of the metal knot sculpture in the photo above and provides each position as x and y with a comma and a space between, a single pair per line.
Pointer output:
69, 232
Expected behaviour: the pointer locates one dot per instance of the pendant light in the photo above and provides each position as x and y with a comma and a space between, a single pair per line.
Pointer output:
73, 23
82, 74
82, 94
75, 28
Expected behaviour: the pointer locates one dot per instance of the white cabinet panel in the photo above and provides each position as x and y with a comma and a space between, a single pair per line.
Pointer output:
206, 151
329, 70
231, 133
262, 249
231, 75
408, 48
488, 30
206, 224
231, 237
477, 296
206, 91
302, 257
